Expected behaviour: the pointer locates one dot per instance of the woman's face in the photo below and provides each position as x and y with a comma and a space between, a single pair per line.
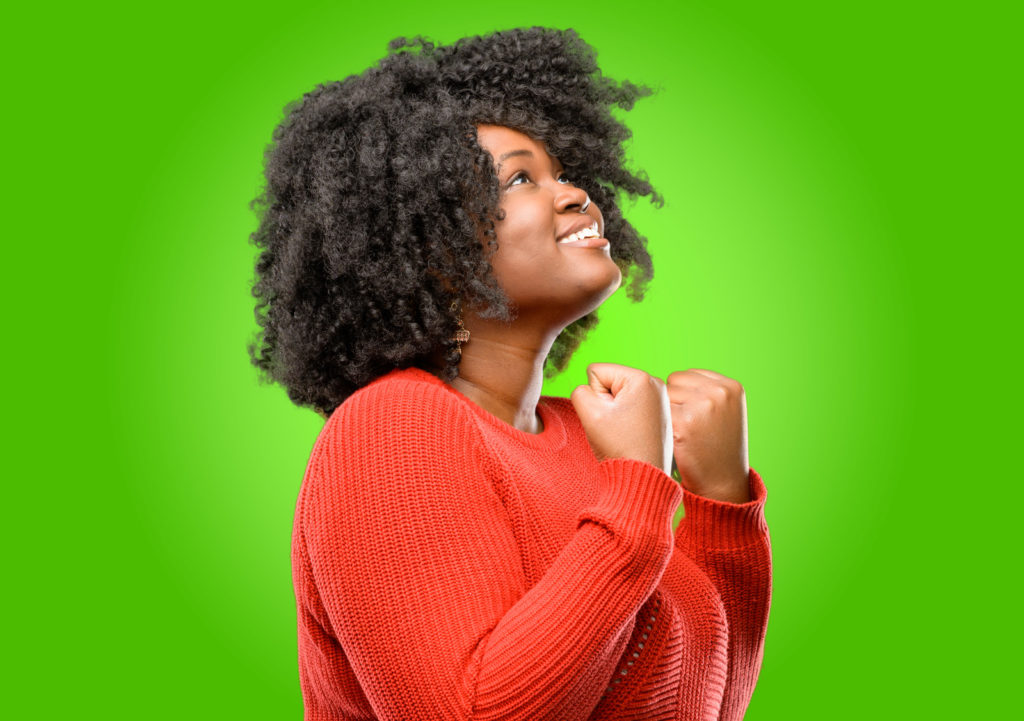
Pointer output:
540, 264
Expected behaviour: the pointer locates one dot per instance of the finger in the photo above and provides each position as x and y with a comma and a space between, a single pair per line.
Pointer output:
583, 399
610, 377
598, 379
719, 394
711, 374
681, 396
687, 377
682, 393
692, 374
730, 385
581, 390
699, 378
589, 404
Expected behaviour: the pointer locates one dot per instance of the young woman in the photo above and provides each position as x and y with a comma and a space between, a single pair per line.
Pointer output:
436, 233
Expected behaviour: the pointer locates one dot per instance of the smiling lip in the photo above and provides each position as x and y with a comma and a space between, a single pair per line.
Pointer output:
587, 243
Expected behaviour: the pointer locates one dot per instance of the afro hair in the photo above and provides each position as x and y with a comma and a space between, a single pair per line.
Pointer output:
378, 215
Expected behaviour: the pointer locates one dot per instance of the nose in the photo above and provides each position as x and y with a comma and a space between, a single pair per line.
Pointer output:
571, 198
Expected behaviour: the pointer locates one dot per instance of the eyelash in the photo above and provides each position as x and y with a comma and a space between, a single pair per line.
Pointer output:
524, 174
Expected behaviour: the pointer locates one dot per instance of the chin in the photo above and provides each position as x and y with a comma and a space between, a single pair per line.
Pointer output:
602, 289
572, 296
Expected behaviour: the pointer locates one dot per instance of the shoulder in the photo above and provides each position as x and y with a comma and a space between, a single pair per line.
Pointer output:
400, 438
407, 407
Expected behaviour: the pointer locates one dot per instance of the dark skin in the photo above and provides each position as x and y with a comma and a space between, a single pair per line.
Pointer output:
698, 417
550, 285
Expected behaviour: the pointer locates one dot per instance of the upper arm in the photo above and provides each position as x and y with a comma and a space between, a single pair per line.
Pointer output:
411, 551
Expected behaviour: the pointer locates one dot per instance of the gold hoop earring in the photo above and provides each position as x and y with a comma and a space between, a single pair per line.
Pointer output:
461, 335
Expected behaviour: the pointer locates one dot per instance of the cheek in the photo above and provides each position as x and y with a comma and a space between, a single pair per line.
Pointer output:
525, 230
524, 220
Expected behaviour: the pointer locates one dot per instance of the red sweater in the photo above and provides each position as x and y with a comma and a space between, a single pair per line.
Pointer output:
450, 566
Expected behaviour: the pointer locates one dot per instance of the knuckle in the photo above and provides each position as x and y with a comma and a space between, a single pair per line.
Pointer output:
731, 384
736, 386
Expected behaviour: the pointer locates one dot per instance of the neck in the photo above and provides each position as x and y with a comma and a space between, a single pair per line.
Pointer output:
502, 370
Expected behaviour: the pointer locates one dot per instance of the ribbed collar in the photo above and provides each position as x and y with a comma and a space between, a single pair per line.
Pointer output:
552, 437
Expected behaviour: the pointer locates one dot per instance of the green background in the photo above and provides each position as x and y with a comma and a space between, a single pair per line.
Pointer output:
840, 235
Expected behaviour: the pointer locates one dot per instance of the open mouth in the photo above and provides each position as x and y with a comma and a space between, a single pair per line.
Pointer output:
585, 238
585, 233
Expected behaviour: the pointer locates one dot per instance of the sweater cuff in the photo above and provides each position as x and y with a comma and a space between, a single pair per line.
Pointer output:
636, 500
710, 523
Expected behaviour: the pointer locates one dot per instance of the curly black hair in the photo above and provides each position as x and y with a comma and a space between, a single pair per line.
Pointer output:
377, 218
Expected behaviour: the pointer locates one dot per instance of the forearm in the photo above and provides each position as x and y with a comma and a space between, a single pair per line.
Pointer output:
731, 544
562, 640
451, 629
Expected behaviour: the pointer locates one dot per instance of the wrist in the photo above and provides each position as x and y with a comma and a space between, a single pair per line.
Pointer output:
730, 496
730, 492
709, 523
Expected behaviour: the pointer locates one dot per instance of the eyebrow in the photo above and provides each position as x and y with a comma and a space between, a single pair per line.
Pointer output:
513, 153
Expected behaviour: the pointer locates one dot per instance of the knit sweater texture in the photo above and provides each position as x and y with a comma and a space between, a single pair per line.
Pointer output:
450, 566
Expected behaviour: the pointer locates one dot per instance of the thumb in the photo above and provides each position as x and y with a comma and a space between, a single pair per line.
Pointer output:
582, 398
602, 380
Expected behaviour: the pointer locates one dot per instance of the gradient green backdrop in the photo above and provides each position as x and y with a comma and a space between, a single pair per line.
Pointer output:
840, 235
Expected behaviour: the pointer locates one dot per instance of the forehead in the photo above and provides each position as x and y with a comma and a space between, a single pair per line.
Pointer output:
498, 140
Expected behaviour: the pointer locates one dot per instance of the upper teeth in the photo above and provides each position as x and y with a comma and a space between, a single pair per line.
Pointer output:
590, 232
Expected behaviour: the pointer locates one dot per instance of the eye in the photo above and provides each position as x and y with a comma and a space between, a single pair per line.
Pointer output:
563, 178
521, 175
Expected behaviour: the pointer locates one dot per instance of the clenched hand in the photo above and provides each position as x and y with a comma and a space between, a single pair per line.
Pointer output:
709, 434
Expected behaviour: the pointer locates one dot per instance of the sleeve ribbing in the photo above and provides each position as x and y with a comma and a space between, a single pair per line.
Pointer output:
731, 544
415, 561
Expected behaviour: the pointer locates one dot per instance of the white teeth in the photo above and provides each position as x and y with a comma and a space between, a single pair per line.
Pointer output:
590, 232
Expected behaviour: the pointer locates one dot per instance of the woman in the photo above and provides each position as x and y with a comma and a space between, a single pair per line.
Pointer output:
436, 233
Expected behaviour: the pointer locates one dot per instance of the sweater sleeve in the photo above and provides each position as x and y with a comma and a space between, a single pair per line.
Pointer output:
730, 542
413, 556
